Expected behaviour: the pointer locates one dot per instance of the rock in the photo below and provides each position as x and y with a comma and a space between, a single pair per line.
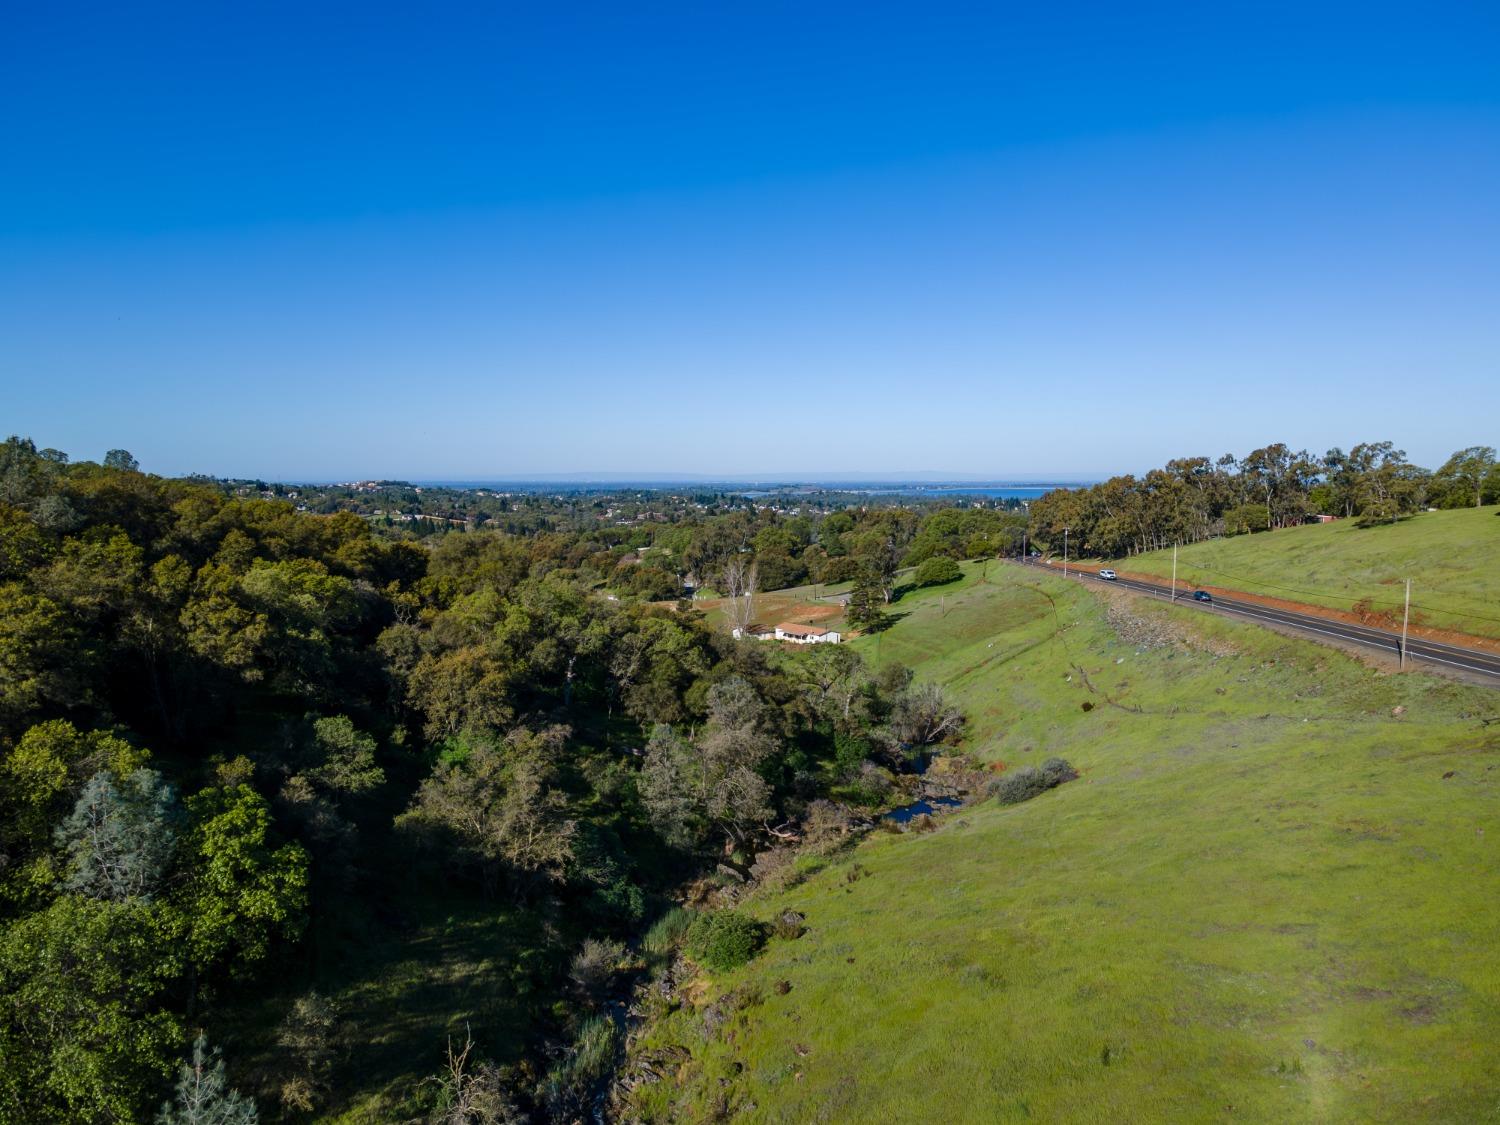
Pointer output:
1398, 711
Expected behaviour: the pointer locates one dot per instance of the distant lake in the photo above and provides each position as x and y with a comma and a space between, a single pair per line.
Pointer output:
998, 492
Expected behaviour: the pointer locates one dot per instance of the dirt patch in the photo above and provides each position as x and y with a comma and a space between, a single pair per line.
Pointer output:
1424, 1011
770, 612
1155, 631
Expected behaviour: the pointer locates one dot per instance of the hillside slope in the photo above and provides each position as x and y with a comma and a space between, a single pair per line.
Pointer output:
1269, 897
1450, 557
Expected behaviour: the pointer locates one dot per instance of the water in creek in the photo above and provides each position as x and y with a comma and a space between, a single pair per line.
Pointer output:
925, 807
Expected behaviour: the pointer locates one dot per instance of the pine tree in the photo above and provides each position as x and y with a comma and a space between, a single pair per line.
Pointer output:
866, 600
204, 1097
120, 837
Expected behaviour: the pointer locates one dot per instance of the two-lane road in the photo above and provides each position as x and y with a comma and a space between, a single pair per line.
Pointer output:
1477, 661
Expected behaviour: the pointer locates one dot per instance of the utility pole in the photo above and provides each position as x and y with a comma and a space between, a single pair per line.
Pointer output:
1065, 552
1174, 572
1405, 621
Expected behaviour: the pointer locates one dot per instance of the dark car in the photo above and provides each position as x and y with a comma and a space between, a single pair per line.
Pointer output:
1202, 596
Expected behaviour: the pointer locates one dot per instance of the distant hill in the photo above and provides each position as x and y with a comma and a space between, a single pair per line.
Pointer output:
1452, 558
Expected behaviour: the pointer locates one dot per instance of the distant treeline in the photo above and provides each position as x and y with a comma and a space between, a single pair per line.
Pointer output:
425, 511
1197, 498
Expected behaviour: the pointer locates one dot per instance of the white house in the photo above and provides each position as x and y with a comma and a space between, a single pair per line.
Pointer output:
808, 635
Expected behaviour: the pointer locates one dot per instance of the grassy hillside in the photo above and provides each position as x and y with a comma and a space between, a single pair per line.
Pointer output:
1453, 559
1269, 897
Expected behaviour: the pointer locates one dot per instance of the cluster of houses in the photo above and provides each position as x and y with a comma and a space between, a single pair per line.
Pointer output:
793, 634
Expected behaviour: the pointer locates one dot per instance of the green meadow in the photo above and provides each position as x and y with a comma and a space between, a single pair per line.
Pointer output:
1271, 895
1452, 558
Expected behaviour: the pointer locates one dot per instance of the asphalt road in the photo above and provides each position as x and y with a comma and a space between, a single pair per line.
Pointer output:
1485, 665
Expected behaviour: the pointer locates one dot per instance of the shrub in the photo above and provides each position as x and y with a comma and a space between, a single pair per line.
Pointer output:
1026, 782
827, 826
937, 571
1018, 785
594, 963
870, 786
849, 750
724, 940
775, 868
1057, 771
789, 925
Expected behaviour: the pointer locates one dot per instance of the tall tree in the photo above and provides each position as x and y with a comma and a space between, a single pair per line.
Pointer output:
1462, 477
502, 807
739, 577
121, 836
689, 786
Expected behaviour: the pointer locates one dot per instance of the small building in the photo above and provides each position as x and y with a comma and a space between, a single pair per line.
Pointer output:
807, 635
755, 633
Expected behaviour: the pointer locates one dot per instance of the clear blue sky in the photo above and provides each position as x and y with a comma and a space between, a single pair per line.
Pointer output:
466, 240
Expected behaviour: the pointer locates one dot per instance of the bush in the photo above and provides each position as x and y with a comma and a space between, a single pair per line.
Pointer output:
827, 826
724, 940
595, 963
1026, 782
775, 868
937, 571
1057, 771
789, 925
849, 750
1018, 785
870, 786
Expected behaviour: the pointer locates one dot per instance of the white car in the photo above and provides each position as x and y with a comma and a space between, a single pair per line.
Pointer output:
1108, 575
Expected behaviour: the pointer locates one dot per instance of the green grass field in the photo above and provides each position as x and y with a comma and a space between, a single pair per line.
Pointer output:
1452, 558
1270, 897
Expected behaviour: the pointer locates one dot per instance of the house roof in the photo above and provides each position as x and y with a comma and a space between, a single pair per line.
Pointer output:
802, 630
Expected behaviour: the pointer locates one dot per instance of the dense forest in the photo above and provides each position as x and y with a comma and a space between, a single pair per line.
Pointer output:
242, 745
1196, 498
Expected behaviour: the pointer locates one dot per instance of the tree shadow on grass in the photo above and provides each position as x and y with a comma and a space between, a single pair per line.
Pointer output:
424, 968
885, 622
